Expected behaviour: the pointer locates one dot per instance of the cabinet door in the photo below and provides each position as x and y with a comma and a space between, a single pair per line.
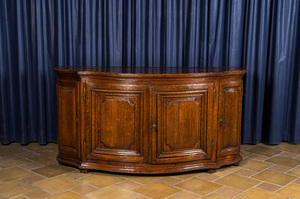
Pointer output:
230, 110
67, 101
180, 123
115, 123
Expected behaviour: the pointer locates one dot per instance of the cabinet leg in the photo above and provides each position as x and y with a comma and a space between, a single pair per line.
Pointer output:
210, 171
85, 171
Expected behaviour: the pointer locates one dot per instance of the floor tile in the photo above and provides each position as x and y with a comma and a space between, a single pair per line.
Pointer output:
12, 161
128, 184
48, 158
246, 146
268, 187
141, 179
284, 161
9, 150
15, 188
259, 194
274, 177
27, 154
254, 165
208, 177
143, 197
13, 173
170, 180
245, 154
38, 194
298, 157
288, 154
19, 197
255, 156
215, 196
262, 150
102, 180
53, 170
67, 195
198, 186
297, 181
157, 190
33, 178
295, 171
269, 146
238, 182
226, 170
51, 146
285, 146
187, 195
291, 190
84, 189
57, 184
31, 165
245, 172
113, 192
76, 174
231, 192
280, 168
42, 149
185, 176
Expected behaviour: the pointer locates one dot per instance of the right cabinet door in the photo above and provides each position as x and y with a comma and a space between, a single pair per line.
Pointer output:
229, 120
181, 123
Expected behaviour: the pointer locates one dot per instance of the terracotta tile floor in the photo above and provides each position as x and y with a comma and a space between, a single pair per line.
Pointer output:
266, 171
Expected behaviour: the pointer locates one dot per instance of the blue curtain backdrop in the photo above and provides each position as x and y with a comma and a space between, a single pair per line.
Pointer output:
259, 35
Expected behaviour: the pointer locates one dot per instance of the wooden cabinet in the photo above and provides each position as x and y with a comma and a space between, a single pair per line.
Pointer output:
149, 119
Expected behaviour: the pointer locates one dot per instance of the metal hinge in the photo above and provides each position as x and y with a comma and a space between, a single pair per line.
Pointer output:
214, 95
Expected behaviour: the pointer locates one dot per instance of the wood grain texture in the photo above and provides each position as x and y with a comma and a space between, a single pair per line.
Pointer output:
150, 119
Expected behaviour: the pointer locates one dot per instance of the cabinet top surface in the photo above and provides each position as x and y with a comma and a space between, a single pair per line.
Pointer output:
150, 70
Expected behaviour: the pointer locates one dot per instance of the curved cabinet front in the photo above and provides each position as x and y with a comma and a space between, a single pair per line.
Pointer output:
150, 121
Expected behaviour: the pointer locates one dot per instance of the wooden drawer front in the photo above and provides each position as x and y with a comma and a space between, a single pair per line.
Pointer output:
181, 132
116, 125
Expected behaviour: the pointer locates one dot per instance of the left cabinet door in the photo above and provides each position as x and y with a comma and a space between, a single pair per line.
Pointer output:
67, 107
116, 122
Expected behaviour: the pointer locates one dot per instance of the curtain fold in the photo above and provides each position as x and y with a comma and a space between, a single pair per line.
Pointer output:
27, 85
261, 36
255, 60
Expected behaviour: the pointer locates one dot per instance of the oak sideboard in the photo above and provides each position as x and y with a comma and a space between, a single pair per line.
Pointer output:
149, 120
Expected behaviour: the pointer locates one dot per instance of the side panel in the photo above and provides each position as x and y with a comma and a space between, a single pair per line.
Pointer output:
68, 133
230, 108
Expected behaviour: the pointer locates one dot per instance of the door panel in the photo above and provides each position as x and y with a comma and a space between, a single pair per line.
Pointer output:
182, 116
230, 107
116, 123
